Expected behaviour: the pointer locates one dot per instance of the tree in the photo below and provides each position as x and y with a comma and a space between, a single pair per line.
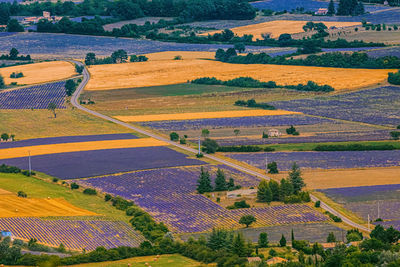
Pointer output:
354, 235
331, 238
331, 8
263, 240
220, 181
219, 239
272, 167
14, 53
5, 136
231, 184
210, 146
119, 56
239, 245
174, 136
205, 133
52, 107
2, 83
204, 182
285, 39
282, 242
274, 187
4, 14
292, 236
286, 189
264, 193
70, 87
90, 58
236, 132
295, 178
247, 220
14, 26
240, 47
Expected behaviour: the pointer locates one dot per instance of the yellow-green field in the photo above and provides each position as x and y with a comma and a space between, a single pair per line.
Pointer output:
278, 27
13, 206
167, 72
17, 152
205, 115
174, 260
39, 72
25, 124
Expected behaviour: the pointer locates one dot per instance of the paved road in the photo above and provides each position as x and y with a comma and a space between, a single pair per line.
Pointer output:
75, 102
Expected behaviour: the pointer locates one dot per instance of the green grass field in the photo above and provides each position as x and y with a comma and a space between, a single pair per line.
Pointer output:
174, 260
25, 124
43, 188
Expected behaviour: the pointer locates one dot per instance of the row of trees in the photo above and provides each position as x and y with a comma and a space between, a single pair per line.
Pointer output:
14, 55
221, 184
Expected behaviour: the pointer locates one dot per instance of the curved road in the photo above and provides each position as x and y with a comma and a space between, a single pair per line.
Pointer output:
75, 103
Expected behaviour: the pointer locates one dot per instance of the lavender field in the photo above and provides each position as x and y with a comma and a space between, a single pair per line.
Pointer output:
102, 162
34, 97
380, 106
377, 135
66, 139
169, 196
390, 51
74, 234
322, 160
78, 45
261, 121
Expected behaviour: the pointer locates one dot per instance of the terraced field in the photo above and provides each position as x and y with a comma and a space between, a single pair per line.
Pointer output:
39, 72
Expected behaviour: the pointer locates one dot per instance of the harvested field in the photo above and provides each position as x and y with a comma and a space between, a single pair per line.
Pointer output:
155, 73
205, 115
324, 179
101, 162
16, 152
39, 72
278, 27
13, 206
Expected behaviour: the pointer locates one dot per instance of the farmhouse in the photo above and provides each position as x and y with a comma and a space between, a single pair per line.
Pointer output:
274, 133
321, 12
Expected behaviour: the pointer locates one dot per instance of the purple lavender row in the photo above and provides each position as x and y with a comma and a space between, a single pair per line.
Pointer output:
102, 162
379, 106
34, 97
322, 160
66, 139
261, 121
358, 191
74, 234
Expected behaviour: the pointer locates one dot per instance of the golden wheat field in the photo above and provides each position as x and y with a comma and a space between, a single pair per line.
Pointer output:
166, 72
17, 152
205, 115
13, 206
185, 55
278, 27
39, 72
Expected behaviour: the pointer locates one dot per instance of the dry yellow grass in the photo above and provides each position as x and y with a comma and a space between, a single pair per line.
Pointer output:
4, 192
13, 206
165, 72
205, 115
348, 178
79, 146
39, 72
278, 27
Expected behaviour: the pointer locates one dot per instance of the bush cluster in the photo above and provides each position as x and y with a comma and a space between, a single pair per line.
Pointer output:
354, 147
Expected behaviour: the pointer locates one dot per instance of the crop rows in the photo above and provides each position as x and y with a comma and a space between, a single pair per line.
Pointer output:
102, 162
319, 137
394, 223
34, 97
379, 106
322, 160
66, 139
169, 196
262, 121
74, 234
390, 51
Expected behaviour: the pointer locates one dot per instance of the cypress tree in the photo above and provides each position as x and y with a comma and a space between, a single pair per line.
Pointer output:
263, 240
295, 178
282, 242
286, 189
2, 84
292, 236
331, 8
204, 182
220, 181
274, 186
264, 193
239, 245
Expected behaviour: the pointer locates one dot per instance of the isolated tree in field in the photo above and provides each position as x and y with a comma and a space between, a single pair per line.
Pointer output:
205, 133
2, 83
52, 107
264, 193
70, 87
174, 136
236, 132
247, 220
220, 181
282, 242
295, 178
331, 238
119, 56
90, 58
5, 136
263, 240
331, 8
292, 236
14, 53
272, 167
204, 182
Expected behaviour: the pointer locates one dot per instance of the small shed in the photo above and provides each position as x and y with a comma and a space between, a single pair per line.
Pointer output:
321, 12
274, 133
